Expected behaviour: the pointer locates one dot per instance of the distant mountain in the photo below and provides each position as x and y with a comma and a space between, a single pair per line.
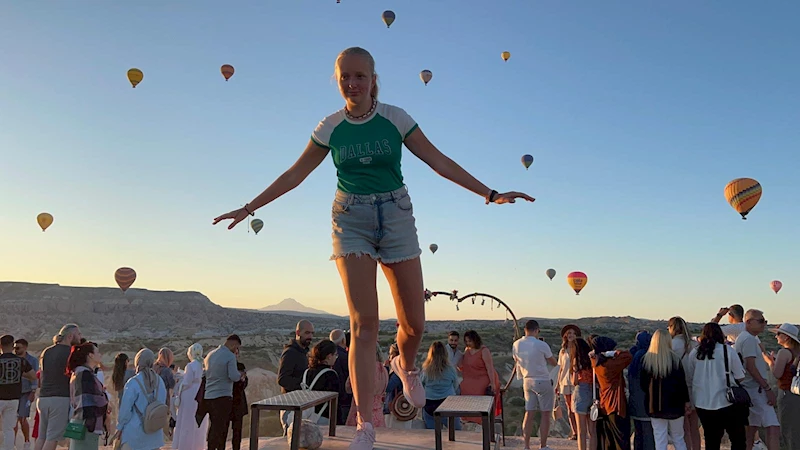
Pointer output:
292, 307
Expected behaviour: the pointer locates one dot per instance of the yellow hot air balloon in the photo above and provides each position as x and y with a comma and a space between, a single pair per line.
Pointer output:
506, 55
125, 276
45, 220
426, 76
135, 76
743, 195
577, 281
227, 71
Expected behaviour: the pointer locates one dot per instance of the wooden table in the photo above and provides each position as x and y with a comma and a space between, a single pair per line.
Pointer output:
465, 406
296, 401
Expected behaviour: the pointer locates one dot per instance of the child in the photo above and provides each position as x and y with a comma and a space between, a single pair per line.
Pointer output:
239, 409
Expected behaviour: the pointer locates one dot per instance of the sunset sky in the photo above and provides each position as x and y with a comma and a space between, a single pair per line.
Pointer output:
637, 115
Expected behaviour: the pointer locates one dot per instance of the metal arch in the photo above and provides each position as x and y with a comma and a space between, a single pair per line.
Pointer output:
454, 297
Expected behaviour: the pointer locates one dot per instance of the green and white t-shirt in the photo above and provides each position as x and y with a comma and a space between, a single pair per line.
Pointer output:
366, 153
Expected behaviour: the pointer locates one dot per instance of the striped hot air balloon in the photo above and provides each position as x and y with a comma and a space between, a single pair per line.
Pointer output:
125, 277
577, 280
257, 225
743, 195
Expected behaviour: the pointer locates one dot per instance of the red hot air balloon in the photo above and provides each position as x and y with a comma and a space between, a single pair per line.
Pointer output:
775, 285
125, 277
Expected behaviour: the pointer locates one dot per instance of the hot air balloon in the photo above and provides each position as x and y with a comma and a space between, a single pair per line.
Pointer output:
433, 248
577, 280
135, 76
388, 18
743, 194
125, 277
551, 273
227, 71
527, 160
506, 55
775, 285
45, 220
257, 225
426, 76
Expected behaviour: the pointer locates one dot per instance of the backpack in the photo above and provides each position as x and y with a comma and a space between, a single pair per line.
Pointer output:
156, 414
287, 417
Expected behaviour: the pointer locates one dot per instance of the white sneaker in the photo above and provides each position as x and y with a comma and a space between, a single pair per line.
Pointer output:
412, 386
364, 438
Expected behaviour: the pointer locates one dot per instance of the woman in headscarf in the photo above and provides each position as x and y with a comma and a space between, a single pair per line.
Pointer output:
642, 428
682, 345
666, 395
564, 384
188, 436
134, 403
613, 423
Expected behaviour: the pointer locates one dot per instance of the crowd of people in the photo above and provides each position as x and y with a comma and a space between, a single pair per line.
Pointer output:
195, 407
658, 392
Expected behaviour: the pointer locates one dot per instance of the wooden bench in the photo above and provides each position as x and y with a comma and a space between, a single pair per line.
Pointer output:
465, 406
297, 401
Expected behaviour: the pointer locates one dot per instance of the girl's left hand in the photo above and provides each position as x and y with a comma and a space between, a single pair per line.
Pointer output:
510, 197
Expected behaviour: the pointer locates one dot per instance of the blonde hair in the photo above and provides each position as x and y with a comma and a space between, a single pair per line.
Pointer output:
195, 352
436, 362
660, 360
370, 60
678, 327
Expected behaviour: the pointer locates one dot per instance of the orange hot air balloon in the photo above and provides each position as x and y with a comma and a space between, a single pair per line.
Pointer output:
743, 195
227, 71
125, 277
577, 280
45, 220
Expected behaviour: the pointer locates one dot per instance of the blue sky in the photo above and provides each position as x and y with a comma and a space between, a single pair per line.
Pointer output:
637, 115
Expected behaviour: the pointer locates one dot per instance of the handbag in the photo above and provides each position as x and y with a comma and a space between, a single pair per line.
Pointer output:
594, 410
736, 394
795, 389
76, 431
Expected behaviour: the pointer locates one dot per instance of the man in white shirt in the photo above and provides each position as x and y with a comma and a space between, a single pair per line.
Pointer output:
762, 412
736, 325
532, 356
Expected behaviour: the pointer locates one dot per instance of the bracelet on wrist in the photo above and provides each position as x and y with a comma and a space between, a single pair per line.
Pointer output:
492, 195
247, 210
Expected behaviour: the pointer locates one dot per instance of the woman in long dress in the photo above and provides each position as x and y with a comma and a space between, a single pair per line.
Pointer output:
477, 368
188, 436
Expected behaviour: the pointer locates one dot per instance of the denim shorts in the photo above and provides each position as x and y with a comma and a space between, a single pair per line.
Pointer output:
582, 398
381, 226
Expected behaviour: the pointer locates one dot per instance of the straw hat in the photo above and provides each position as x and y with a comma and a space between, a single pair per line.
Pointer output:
789, 330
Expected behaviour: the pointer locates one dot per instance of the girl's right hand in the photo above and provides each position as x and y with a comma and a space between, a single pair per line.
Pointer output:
237, 215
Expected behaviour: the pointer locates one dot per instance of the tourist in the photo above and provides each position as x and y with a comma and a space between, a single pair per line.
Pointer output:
221, 373
365, 140
666, 395
784, 368
762, 411
87, 396
735, 325
121, 374
342, 369
582, 396
28, 392
53, 404
532, 357
376, 400
294, 359
13, 370
455, 356
439, 379
188, 435
477, 370
322, 357
613, 423
564, 384
240, 407
139, 390
642, 427
682, 345
707, 369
